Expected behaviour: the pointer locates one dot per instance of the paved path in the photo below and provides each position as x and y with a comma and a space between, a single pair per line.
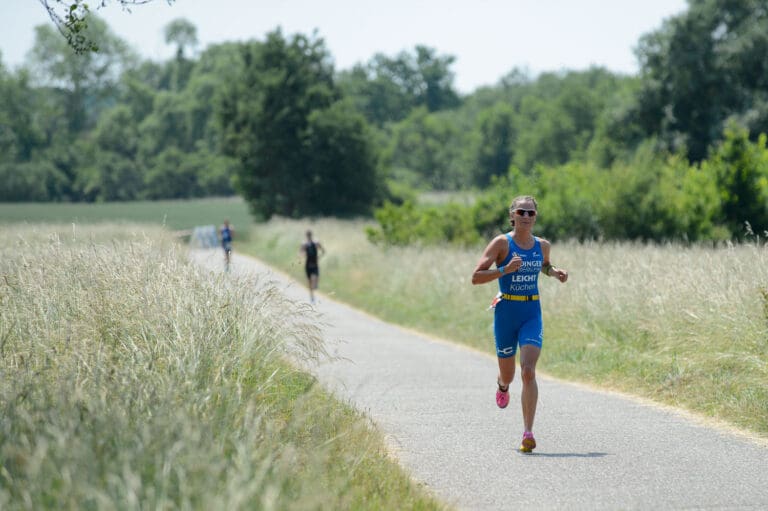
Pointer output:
435, 402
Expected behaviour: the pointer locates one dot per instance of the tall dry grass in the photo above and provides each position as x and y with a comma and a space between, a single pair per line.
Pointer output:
133, 380
683, 325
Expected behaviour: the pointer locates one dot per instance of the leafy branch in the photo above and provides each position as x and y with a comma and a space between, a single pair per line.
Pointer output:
71, 19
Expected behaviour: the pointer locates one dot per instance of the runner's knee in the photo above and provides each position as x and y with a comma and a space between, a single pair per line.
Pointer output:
528, 373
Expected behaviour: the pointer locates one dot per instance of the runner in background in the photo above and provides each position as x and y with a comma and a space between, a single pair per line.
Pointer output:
226, 233
312, 250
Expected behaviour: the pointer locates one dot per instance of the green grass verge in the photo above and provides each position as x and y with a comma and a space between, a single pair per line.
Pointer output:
134, 380
685, 326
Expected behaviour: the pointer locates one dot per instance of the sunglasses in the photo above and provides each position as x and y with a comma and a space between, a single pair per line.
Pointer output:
523, 212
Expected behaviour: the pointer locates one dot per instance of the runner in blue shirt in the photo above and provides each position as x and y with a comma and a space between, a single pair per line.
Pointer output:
226, 234
519, 256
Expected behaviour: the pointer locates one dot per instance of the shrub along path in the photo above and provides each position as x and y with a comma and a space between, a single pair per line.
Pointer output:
435, 403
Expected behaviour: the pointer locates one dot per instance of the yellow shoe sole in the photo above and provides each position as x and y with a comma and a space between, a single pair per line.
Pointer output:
527, 446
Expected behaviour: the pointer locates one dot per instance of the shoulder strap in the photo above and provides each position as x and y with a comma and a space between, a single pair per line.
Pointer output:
510, 241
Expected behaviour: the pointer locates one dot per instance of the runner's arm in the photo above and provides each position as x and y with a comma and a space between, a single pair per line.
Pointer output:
494, 252
547, 268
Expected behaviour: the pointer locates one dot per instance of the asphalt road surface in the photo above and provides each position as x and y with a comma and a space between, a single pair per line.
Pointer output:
435, 403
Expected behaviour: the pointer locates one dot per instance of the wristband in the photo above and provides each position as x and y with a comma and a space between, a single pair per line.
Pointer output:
501, 269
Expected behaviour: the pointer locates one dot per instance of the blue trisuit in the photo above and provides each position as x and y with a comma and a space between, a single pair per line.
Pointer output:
226, 239
517, 316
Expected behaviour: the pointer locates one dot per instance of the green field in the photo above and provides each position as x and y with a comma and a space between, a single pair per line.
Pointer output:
175, 215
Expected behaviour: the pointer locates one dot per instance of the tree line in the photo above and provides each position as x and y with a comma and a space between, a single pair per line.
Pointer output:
274, 121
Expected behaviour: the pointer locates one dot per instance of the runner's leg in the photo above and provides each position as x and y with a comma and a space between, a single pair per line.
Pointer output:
506, 370
529, 356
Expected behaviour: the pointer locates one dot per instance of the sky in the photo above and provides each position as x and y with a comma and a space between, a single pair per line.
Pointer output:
488, 38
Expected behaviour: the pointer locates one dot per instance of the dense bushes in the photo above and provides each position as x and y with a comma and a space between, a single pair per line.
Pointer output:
410, 223
650, 198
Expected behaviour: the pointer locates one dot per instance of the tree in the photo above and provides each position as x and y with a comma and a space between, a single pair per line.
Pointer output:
386, 89
183, 34
494, 148
171, 177
24, 175
685, 93
281, 121
436, 80
19, 133
341, 176
741, 170
110, 177
168, 125
377, 97
702, 68
423, 145
117, 132
558, 116
86, 83
31, 181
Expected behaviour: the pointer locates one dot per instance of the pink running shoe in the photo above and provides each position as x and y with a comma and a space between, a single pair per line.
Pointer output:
502, 396
528, 444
